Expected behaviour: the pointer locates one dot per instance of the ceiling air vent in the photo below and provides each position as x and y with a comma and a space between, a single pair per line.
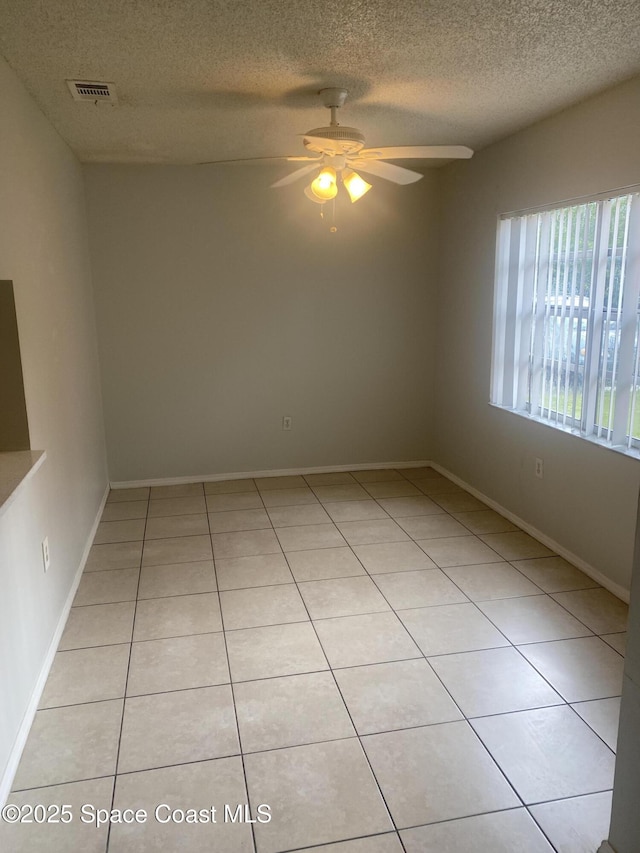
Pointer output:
87, 90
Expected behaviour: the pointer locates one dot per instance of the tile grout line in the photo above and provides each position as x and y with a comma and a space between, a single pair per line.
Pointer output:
231, 688
126, 682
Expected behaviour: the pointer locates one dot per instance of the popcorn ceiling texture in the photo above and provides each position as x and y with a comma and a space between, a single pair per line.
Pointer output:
202, 80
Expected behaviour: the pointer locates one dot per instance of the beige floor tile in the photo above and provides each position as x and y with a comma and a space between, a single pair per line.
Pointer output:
178, 490
124, 510
175, 728
418, 589
440, 486
451, 628
172, 526
177, 579
333, 478
410, 766
553, 574
603, 716
360, 640
321, 563
349, 492
228, 487
548, 753
309, 536
138, 494
98, 625
459, 551
342, 597
177, 616
119, 531
321, 793
177, 506
459, 502
372, 532
240, 519
107, 587
377, 475
288, 497
70, 744
291, 516
533, 619
177, 663
393, 557
493, 681
234, 501
187, 786
490, 581
433, 526
576, 825
244, 572
394, 489
86, 675
597, 608
616, 641
516, 546
484, 521
119, 555
259, 606
511, 831
410, 506
256, 653
290, 711
182, 549
367, 510
293, 481
388, 696
247, 543
420, 472
388, 842
579, 669
59, 837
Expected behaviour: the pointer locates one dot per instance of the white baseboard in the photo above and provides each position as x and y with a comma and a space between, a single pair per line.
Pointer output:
574, 559
282, 472
23, 732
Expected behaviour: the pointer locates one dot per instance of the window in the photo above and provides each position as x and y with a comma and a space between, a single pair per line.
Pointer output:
567, 318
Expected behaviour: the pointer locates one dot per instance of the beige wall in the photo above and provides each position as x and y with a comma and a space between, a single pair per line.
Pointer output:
223, 305
587, 499
43, 250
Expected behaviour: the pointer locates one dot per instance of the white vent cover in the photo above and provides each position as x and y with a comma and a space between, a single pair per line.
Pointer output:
88, 90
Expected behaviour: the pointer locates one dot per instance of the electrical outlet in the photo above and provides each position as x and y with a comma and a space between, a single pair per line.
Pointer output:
539, 469
46, 557
287, 422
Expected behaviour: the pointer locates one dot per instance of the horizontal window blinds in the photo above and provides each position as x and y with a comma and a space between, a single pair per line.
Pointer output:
566, 317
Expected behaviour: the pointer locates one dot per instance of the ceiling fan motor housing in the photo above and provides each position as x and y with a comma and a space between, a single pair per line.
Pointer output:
350, 139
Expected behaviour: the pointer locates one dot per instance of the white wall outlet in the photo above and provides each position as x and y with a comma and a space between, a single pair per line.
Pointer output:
287, 422
46, 557
539, 469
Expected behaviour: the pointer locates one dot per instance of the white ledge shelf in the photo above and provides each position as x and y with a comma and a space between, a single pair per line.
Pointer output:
16, 467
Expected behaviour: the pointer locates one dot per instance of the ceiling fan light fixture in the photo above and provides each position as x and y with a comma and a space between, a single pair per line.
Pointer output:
354, 184
325, 186
308, 191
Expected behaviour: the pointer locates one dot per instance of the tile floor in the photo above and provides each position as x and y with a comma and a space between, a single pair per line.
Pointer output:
380, 658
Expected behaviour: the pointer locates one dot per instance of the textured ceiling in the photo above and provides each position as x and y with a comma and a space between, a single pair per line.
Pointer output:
202, 80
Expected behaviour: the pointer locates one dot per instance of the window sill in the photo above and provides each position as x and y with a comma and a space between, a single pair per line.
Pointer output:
632, 452
16, 468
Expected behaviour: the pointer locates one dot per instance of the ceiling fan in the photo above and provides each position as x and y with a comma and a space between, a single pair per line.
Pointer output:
336, 152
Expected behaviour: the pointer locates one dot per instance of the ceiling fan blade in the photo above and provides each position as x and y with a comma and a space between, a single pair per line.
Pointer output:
293, 176
321, 144
417, 152
259, 161
397, 174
